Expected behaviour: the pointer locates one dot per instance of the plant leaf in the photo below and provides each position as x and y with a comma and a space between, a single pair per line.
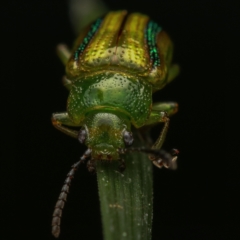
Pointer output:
126, 198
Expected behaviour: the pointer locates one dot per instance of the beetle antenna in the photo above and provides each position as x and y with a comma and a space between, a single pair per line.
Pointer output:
159, 157
57, 214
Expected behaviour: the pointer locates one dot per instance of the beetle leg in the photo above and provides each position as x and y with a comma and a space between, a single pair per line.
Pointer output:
173, 72
160, 111
170, 161
169, 107
155, 117
60, 119
159, 142
63, 53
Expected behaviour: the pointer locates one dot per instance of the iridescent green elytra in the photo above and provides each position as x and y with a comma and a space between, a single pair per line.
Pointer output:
115, 66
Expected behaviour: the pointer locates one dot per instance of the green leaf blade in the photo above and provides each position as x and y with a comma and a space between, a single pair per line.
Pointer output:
126, 198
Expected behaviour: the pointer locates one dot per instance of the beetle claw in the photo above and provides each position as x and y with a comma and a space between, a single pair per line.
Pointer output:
167, 160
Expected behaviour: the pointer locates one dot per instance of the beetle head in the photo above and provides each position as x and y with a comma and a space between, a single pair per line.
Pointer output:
105, 133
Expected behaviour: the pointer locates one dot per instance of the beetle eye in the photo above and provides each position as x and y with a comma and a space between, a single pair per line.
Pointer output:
128, 138
82, 135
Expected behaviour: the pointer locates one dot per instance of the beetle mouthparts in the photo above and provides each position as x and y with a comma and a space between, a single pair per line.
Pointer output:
104, 152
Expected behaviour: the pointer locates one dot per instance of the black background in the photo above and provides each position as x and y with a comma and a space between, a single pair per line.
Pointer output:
194, 202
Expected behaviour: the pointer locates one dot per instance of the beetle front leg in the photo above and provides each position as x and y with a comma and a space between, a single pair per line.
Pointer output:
160, 110
60, 119
162, 117
160, 113
168, 160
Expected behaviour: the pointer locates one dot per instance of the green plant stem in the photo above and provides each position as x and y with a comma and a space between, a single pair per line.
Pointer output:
126, 198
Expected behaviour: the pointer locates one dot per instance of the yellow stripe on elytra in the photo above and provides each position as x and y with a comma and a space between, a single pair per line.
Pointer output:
132, 46
103, 45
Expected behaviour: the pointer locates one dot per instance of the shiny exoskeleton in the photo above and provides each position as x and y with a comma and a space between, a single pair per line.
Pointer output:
116, 64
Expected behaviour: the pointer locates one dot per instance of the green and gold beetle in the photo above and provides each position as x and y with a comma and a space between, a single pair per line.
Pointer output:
117, 63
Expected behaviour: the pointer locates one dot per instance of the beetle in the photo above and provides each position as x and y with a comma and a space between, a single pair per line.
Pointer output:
116, 64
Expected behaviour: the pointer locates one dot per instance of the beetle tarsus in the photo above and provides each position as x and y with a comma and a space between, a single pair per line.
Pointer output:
166, 159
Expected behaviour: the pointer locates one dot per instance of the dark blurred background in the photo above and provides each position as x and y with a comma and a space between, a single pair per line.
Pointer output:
194, 202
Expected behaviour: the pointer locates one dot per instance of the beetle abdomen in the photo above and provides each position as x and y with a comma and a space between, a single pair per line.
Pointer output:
112, 92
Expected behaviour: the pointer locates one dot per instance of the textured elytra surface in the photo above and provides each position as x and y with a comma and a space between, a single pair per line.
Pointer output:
118, 42
126, 43
86, 40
